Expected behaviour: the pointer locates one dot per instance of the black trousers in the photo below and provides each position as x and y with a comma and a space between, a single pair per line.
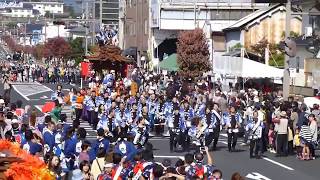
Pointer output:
209, 138
92, 119
187, 140
282, 143
256, 145
78, 113
175, 138
232, 140
290, 147
216, 133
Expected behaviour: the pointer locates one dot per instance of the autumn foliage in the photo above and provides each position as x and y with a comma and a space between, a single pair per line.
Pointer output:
193, 54
107, 52
57, 48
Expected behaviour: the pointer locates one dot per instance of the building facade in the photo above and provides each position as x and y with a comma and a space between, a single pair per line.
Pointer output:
169, 17
30, 9
110, 12
43, 7
267, 23
134, 27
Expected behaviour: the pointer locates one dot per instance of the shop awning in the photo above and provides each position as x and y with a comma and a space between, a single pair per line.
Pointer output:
170, 63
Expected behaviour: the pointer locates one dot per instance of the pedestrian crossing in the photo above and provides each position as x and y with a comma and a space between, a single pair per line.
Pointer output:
91, 134
30, 89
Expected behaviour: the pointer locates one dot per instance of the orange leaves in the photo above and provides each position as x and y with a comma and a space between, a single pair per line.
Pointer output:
30, 167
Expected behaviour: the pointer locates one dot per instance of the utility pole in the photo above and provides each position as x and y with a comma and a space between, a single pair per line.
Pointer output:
195, 13
286, 75
100, 13
86, 26
94, 22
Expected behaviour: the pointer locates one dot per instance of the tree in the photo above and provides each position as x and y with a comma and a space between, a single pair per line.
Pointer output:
57, 48
277, 56
260, 48
77, 50
192, 54
38, 52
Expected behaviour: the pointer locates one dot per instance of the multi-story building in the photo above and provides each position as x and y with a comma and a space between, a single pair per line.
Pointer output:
30, 9
169, 17
25, 10
134, 27
47, 6
110, 12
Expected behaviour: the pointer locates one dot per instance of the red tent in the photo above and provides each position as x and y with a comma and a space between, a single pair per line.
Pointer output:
48, 106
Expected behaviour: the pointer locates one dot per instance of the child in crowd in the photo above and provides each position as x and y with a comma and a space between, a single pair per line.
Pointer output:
305, 137
271, 138
297, 144
84, 156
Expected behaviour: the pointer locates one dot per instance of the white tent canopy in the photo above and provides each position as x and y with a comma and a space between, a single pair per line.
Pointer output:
246, 68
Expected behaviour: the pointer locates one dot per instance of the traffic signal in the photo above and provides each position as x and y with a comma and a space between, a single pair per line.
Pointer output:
58, 23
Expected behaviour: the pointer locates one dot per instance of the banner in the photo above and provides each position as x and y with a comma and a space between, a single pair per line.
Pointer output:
85, 69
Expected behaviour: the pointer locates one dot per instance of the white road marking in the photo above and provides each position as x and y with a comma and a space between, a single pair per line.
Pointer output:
257, 176
38, 107
38, 92
170, 157
277, 163
223, 134
44, 86
223, 142
14, 87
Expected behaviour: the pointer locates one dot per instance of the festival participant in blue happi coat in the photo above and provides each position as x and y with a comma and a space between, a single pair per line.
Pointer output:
58, 138
107, 101
100, 142
108, 82
113, 128
187, 114
90, 102
30, 146
49, 137
200, 108
102, 117
152, 104
142, 103
122, 118
210, 121
81, 137
168, 113
126, 149
232, 122
134, 115
216, 131
159, 118
140, 132
70, 143
177, 129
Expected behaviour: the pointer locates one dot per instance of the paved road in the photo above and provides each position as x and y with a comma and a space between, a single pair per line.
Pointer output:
267, 168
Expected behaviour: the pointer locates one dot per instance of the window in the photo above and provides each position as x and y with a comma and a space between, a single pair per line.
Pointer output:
146, 26
130, 29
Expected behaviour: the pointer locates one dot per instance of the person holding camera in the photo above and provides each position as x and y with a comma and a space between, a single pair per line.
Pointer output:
255, 133
198, 169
